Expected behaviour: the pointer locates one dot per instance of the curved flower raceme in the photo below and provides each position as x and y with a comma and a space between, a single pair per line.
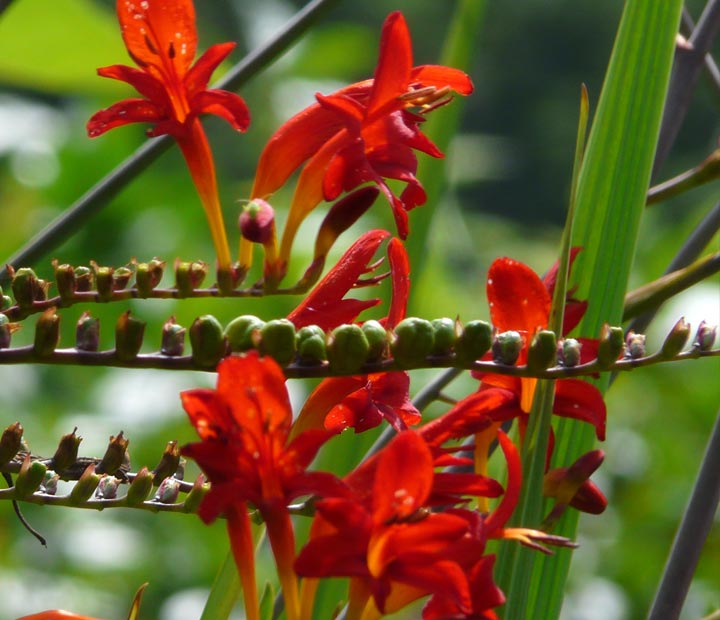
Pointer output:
244, 426
364, 133
161, 38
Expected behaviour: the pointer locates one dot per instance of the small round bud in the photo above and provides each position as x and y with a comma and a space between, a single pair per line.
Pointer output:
103, 281
148, 276
569, 352
65, 281
47, 333
542, 353
87, 333
378, 341
445, 335
189, 276
129, 333
705, 336
207, 341
277, 339
347, 349
257, 221
634, 345
120, 278
168, 491
173, 338
610, 345
243, 332
412, 342
108, 487
676, 339
473, 341
507, 347
27, 287
84, 279
311, 345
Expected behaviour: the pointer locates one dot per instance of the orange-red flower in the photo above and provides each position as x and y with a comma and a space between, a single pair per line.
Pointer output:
365, 132
161, 38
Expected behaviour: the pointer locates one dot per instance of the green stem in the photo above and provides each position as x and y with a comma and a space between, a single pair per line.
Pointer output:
224, 591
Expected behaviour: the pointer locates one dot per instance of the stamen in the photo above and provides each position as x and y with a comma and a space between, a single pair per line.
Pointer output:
427, 98
171, 50
150, 45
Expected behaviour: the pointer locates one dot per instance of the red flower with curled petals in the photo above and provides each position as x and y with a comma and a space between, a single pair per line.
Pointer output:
161, 38
366, 132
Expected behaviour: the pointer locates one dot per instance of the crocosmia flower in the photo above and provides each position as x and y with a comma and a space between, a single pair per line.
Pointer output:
365, 133
161, 38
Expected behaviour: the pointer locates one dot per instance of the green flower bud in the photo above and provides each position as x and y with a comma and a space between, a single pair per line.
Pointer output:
65, 281
5, 301
120, 278
28, 288
29, 478
569, 352
473, 341
243, 332
507, 347
676, 340
445, 334
47, 333
634, 345
87, 333
173, 338
413, 341
168, 464
347, 349
198, 491
168, 491
139, 488
50, 483
610, 345
542, 353
277, 339
10, 443
85, 486
67, 451
148, 276
108, 487
103, 281
705, 336
84, 279
311, 345
129, 333
189, 276
115, 455
6, 330
378, 340
207, 341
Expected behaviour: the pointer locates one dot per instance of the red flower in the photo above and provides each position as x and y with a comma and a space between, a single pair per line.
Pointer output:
160, 37
366, 132
244, 426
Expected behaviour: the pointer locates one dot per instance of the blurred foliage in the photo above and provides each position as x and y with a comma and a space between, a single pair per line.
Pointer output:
510, 169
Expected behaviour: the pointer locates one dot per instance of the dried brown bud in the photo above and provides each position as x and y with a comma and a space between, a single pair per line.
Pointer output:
168, 464
10, 442
115, 455
66, 453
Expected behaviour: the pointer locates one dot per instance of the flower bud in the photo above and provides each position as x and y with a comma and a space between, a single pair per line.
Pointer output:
173, 338
67, 451
412, 342
347, 349
542, 353
29, 478
87, 333
207, 341
705, 336
85, 486
311, 345
444, 336
507, 347
277, 339
569, 351
148, 276
28, 288
103, 281
168, 491
378, 342
6, 330
5, 301
115, 455
634, 345
610, 346
120, 278
129, 333
243, 332
473, 341
195, 497
65, 281
168, 464
676, 339
84, 279
257, 221
189, 276
108, 487
50, 483
139, 488
47, 333
10, 443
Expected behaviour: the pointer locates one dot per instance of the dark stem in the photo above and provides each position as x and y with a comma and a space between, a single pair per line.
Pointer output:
4, 4
687, 26
691, 535
20, 515
99, 195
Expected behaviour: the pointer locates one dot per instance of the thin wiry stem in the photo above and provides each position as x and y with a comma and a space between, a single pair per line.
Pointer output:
97, 197
711, 68
694, 528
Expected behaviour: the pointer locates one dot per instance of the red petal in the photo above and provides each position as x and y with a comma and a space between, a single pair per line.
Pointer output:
502, 513
323, 398
56, 614
208, 413
580, 400
224, 104
142, 81
518, 298
199, 75
124, 113
439, 76
400, 276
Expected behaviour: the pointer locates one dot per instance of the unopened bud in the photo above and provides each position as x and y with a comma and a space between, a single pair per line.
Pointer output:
413, 340
378, 341
10, 442
168, 491
243, 332
189, 276
444, 336
50, 483
108, 487
103, 281
311, 345
6, 330
207, 341
676, 339
65, 281
473, 341
277, 339
610, 345
47, 333
67, 451
121, 277
173, 338
129, 333
148, 276
347, 349
115, 455
195, 497
85, 486
168, 464
87, 333
569, 352
507, 347
542, 353
28, 288
705, 336
634, 345
257, 221
84, 279
29, 478
139, 488
5, 301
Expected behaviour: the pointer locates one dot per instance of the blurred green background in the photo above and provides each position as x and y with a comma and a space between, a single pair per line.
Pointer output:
509, 170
